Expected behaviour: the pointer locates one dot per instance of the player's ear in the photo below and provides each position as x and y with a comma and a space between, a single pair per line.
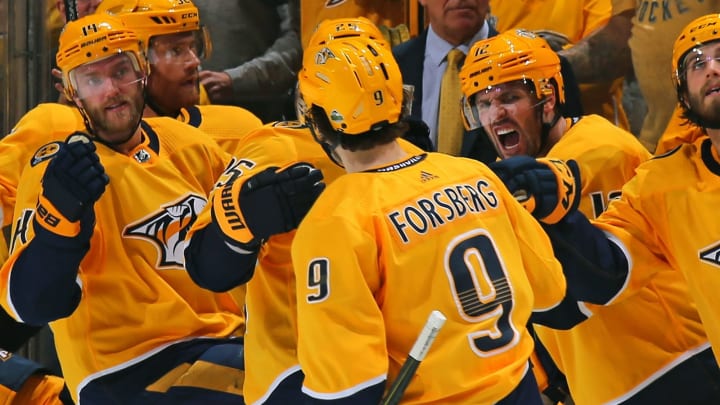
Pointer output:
549, 110
550, 100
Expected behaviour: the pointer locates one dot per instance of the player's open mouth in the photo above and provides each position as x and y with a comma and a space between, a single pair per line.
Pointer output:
116, 106
712, 90
508, 138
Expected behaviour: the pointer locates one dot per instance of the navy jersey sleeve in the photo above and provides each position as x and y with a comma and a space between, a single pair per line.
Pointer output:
595, 268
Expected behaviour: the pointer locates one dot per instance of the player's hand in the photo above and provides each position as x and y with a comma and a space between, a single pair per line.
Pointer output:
73, 181
271, 202
275, 202
557, 40
547, 188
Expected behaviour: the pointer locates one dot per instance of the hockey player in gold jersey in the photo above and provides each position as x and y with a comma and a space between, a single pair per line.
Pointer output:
173, 95
173, 91
517, 104
175, 43
664, 221
272, 372
98, 239
403, 234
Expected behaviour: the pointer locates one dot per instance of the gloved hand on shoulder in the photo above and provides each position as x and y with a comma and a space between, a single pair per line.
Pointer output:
271, 202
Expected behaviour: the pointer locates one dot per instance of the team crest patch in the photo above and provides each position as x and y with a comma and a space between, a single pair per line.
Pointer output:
45, 152
5, 355
333, 3
141, 156
168, 228
711, 254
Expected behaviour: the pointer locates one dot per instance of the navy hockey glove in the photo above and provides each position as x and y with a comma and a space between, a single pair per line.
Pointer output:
547, 188
73, 180
271, 202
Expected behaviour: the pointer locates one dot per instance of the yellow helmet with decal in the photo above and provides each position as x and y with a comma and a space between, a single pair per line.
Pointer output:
151, 18
93, 38
345, 27
515, 55
355, 81
699, 32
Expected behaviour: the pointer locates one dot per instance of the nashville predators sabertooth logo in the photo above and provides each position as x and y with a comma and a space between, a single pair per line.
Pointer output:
711, 254
168, 228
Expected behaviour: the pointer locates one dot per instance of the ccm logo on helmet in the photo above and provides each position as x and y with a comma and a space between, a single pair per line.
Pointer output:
699, 27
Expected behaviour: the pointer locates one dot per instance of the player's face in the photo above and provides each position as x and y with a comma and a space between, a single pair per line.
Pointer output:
111, 93
702, 73
509, 114
174, 60
456, 21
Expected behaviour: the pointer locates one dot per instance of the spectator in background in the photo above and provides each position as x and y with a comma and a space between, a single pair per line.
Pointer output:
56, 15
423, 61
397, 19
257, 55
606, 54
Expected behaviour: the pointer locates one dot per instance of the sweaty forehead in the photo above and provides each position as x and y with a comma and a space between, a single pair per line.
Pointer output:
711, 48
103, 64
517, 85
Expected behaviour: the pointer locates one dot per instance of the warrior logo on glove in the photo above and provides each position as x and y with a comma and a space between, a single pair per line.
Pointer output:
271, 201
547, 188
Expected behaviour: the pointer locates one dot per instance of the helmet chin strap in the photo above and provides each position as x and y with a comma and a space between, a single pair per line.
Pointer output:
545, 127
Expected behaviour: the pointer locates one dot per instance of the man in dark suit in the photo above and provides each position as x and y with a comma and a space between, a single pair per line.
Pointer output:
455, 24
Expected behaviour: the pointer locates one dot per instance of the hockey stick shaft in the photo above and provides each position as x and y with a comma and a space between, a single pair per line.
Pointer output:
71, 11
435, 321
